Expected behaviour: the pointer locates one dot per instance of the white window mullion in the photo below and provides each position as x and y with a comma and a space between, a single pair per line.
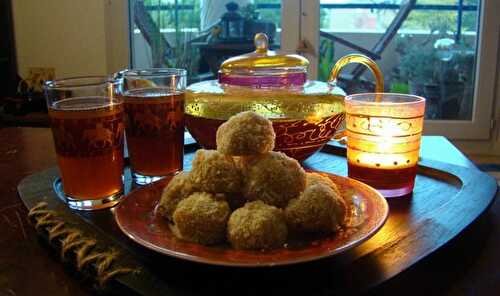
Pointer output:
290, 25
310, 33
300, 22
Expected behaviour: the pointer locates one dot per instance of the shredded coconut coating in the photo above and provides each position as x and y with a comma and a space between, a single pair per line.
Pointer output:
215, 172
318, 209
273, 178
246, 133
315, 178
202, 218
257, 226
177, 189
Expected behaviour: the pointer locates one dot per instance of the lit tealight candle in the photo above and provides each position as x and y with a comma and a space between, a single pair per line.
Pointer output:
384, 140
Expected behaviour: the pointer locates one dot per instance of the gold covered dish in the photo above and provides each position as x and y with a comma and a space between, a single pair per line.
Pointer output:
305, 113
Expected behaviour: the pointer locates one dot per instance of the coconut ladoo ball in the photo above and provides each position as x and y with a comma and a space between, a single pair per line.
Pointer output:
177, 189
215, 172
246, 133
202, 218
273, 178
257, 226
318, 209
315, 178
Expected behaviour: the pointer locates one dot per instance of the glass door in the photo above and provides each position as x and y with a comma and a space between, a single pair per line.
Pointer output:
199, 34
442, 50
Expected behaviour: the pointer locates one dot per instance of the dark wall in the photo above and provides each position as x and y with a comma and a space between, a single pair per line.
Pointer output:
8, 67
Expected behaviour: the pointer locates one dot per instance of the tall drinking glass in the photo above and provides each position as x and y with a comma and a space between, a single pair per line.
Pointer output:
87, 126
383, 140
154, 120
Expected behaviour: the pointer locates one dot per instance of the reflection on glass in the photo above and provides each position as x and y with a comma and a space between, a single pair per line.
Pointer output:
428, 51
198, 35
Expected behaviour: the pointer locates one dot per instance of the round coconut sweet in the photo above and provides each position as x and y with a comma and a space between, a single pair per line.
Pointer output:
246, 133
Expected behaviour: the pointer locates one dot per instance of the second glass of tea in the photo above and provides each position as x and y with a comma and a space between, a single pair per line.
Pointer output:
154, 121
383, 140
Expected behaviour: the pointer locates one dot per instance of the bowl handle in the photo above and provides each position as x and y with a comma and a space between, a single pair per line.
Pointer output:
360, 59
340, 136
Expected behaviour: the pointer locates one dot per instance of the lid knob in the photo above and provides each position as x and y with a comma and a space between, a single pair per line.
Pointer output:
261, 42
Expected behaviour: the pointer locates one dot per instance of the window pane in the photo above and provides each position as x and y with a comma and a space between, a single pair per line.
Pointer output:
433, 53
199, 34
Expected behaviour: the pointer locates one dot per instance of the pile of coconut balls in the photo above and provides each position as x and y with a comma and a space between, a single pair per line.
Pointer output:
248, 195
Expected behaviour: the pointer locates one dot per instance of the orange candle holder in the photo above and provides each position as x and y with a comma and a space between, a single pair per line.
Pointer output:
383, 140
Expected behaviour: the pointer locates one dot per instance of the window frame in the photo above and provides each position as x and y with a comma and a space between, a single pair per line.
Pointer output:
300, 22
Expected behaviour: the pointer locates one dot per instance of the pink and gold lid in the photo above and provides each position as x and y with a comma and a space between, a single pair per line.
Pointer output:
264, 68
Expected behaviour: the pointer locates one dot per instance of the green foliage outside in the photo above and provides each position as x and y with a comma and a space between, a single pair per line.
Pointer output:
270, 15
169, 16
418, 60
327, 54
399, 88
190, 18
165, 18
441, 20
418, 19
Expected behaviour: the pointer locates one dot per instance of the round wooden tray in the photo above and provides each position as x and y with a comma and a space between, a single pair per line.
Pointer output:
446, 199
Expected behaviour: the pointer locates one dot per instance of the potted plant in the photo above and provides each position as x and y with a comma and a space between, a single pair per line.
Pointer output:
418, 68
441, 71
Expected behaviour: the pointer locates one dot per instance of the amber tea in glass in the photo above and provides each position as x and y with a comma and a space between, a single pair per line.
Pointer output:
154, 117
87, 126
383, 140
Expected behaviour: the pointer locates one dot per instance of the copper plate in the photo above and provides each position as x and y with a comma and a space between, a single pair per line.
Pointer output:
137, 218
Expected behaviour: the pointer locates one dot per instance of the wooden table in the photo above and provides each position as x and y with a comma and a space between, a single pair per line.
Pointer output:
469, 264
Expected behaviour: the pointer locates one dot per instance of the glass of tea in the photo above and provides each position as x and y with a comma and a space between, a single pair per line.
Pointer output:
87, 125
383, 140
154, 121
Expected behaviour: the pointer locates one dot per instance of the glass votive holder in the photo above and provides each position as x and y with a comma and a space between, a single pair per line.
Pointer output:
383, 140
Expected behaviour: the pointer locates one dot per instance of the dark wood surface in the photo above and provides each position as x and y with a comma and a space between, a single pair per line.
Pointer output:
469, 264
439, 209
